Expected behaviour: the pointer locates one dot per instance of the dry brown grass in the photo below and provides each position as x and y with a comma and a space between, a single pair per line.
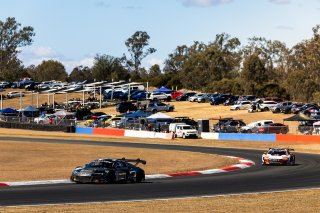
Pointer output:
295, 201
21, 161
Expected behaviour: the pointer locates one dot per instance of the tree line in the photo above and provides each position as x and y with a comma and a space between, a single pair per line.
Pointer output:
259, 67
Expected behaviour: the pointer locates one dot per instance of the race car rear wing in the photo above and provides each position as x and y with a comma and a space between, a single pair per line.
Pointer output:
137, 161
290, 150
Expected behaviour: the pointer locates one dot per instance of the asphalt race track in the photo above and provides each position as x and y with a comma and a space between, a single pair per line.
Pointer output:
305, 174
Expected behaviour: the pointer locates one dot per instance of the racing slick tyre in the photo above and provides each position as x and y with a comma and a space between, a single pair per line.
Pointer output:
291, 162
111, 178
140, 177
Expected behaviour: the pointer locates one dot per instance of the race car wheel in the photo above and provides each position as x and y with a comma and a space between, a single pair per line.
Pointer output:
111, 178
140, 177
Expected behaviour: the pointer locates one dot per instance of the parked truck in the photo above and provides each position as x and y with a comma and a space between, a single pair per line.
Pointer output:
183, 130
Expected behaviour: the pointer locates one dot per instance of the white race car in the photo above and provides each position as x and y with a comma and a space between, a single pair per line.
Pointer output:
279, 156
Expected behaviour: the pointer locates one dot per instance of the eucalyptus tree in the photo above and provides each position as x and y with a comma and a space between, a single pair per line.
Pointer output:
274, 54
108, 68
254, 74
12, 37
212, 62
51, 70
137, 46
81, 73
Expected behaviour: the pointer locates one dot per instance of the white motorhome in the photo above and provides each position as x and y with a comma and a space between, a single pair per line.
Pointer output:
183, 130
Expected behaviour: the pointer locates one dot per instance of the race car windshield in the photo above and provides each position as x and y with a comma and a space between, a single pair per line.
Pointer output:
99, 165
277, 152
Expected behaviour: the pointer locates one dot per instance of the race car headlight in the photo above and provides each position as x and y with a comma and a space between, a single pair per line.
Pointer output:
285, 157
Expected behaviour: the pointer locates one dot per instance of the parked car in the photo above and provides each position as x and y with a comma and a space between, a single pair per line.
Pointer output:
31, 86
241, 105
220, 99
15, 94
125, 107
276, 99
231, 100
299, 108
116, 95
247, 98
204, 98
267, 105
183, 130
275, 128
45, 119
229, 126
175, 94
159, 106
185, 96
93, 115
5, 84
280, 107
252, 127
160, 96
140, 96
195, 97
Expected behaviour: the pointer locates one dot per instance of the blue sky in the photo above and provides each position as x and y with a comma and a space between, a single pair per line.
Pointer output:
74, 31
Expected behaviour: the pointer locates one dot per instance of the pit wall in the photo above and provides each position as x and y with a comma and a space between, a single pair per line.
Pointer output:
282, 138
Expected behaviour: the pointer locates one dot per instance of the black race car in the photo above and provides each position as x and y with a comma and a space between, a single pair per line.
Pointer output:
109, 171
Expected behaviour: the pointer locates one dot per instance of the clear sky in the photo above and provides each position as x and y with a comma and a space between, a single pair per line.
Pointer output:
74, 31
